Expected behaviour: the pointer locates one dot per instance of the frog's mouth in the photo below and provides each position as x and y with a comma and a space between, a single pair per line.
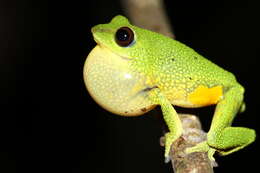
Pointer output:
96, 32
102, 46
114, 85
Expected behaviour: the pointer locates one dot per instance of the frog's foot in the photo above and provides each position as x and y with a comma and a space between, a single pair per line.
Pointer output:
169, 139
203, 147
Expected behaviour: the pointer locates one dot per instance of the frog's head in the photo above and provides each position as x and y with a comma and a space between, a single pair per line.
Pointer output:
109, 76
120, 37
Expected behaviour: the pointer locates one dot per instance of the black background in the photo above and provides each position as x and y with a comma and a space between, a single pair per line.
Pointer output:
43, 47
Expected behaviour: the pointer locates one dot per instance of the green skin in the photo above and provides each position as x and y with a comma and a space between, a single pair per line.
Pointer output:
161, 71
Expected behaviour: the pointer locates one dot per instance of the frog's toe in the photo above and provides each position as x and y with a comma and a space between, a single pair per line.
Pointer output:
169, 139
202, 147
211, 152
167, 159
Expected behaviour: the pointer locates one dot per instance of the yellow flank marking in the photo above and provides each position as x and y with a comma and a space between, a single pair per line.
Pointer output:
203, 96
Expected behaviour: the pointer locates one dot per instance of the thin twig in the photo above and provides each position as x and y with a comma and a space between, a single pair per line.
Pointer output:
150, 14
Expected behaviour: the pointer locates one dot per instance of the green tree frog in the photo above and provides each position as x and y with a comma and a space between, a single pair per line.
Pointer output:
132, 70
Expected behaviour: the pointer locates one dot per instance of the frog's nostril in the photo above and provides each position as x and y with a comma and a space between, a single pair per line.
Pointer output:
93, 29
100, 29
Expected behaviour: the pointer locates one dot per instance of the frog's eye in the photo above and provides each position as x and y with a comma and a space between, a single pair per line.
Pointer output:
124, 36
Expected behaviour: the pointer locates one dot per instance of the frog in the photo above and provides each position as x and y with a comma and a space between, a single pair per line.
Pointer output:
132, 70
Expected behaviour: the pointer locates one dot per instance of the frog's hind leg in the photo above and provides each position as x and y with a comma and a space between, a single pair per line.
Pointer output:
234, 138
221, 137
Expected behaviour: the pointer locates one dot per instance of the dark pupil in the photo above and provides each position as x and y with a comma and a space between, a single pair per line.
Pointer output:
124, 36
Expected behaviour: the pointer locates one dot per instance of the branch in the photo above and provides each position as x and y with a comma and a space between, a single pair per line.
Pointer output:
193, 134
150, 14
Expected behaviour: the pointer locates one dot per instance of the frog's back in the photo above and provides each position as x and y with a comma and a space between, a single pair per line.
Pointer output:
179, 71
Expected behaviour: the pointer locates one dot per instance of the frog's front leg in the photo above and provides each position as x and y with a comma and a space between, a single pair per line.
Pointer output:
221, 137
171, 118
